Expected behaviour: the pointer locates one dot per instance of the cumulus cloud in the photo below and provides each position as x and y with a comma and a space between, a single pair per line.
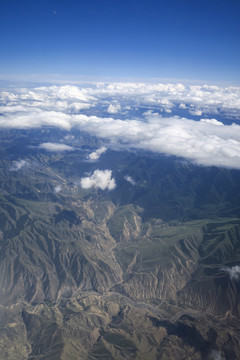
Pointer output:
69, 137
216, 355
204, 142
212, 121
55, 147
17, 165
130, 179
96, 154
61, 92
233, 272
182, 106
113, 108
99, 179
196, 112
57, 189
79, 106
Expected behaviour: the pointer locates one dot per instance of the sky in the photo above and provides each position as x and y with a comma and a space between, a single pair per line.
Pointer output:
189, 48
120, 39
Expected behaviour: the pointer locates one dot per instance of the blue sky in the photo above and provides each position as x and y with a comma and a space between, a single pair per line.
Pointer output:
178, 39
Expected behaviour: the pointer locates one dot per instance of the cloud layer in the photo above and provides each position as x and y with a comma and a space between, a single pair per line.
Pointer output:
145, 117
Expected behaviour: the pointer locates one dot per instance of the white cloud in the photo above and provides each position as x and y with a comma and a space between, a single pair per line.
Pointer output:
55, 147
35, 119
79, 106
182, 106
69, 137
216, 355
99, 179
96, 154
113, 108
212, 121
57, 99
130, 179
17, 165
196, 112
202, 142
61, 92
205, 96
57, 189
209, 98
233, 272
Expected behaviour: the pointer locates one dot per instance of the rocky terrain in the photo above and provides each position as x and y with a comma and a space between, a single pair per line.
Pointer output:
149, 270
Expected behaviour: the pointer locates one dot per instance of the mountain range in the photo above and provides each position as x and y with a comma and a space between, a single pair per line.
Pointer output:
147, 268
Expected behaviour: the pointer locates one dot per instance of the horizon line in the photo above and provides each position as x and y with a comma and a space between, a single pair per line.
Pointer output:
58, 79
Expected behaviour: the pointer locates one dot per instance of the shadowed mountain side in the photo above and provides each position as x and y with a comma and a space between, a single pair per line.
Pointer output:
46, 255
110, 326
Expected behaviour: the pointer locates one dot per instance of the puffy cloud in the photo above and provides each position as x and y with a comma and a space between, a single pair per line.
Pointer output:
17, 165
35, 119
130, 179
69, 137
96, 154
99, 179
57, 189
216, 355
182, 106
79, 106
64, 92
113, 108
212, 121
55, 147
233, 272
196, 112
